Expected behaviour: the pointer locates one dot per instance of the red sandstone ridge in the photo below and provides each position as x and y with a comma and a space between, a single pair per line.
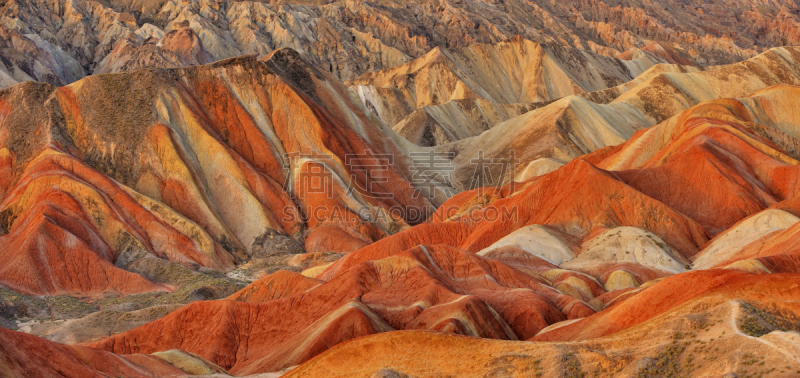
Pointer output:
208, 166
24, 355
661, 321
277, 285
256, 215
550, 136
597, 248
657, 181
429, 287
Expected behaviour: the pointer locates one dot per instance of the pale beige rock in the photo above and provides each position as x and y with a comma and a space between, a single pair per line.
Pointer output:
187, 362
451, 94
725, 246
620, 279
628, 245
350, 37
29, 57
178, 48
749, 265
536, 240
538, 167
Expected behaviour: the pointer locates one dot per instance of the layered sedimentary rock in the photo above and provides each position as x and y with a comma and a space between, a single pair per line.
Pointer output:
721, 328
349, 38
451, 94
574, 125
428, 287
599, 247
658, 51
177, 48
207, 167
31, 58
649, 219
548, 105
23, 355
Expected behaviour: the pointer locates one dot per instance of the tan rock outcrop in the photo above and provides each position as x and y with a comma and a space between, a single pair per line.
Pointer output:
351, 37
451, 94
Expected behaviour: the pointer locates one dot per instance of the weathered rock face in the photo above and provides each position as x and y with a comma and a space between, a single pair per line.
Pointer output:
544, 138
605, 241
428, 287
206, 166
178, 48
26, 59
546, 104
348, 38
451, 94
654, 197
727, 311
85, 30
658, 51
24, 355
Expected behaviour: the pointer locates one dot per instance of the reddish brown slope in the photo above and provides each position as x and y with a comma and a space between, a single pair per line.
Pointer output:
54, 250
672, 292
207, 167
710, 323
277, 285
575, 199
428, 287
23, 355
429, 277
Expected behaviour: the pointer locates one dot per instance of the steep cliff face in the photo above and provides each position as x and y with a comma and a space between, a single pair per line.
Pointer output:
348, 37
